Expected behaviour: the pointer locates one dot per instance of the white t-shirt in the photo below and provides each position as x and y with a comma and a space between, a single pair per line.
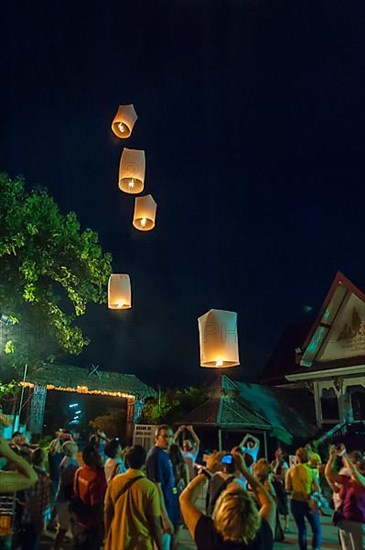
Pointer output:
113, 467
190, 458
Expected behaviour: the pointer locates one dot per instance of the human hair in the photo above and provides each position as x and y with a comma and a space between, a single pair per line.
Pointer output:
236, 517
90, 456
302, 455
262, 468
136, 457
69, 448
111, 448
37, 457
16, 434
160, 428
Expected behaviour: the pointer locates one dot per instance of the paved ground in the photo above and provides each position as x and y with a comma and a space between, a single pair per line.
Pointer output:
329, 539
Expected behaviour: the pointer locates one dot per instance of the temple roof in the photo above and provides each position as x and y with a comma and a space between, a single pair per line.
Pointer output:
62, 377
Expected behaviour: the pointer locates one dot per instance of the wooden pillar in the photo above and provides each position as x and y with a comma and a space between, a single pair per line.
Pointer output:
219, 439
265, 445
130, 417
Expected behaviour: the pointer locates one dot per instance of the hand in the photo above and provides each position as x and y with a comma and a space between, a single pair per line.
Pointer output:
240, 461
181, 428
332, 451
167, 525
189, 428
341, 450
213, 463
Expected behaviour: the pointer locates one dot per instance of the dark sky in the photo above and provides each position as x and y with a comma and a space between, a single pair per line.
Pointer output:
252, 115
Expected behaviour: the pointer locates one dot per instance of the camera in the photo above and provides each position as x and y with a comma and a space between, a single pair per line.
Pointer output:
227, 459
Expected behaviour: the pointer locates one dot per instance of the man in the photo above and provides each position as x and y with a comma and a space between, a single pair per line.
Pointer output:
132, 508
301, 482
279, 468
190, 447
68, 467
159, 470
89, 487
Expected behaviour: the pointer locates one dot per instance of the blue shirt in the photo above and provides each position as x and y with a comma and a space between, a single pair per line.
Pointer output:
159, 470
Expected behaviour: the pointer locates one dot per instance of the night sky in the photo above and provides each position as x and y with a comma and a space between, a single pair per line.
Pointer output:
252, 116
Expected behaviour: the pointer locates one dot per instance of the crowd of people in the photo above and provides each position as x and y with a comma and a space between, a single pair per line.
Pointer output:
130, 499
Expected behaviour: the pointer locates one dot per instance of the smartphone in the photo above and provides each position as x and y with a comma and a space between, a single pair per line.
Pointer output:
227, 459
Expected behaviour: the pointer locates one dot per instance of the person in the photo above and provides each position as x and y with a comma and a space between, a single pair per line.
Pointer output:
132, 508
279, 470
262, 472
159, 470
68, 468
180, 468
236, 524
99, 440
24, 475
55, 457
351, 512
37, 499
190, 447
114, 464
89, 487
301, 482
250, 445
228, 474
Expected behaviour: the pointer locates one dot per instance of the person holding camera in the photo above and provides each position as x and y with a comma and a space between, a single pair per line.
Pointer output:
227, 474
350, 515
236, 524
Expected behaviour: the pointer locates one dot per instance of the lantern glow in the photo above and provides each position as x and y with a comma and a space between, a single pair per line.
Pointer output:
132, 169
218, 339
124, 121
119, 291
144, 213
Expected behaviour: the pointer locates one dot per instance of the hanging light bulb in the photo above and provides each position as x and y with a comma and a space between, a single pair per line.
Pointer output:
144, 213
119, 291
124, 121
218, 339
132, 168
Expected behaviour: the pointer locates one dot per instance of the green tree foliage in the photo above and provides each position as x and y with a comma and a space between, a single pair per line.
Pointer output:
113, 423
50, 271
172, 404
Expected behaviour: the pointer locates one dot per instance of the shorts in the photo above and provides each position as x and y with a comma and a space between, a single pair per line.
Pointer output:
63, 515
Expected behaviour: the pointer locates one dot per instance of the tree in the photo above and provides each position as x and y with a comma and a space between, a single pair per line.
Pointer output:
173, 404
50, 272
112, 423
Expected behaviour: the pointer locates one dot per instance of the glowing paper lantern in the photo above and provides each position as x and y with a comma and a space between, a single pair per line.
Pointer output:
218, 339
132, 169
144, 213
124, 121
119, 291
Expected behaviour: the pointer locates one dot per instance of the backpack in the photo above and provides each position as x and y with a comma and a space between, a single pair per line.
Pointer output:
215, 488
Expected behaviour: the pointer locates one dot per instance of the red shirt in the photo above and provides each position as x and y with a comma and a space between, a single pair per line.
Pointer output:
90, 485
352, 496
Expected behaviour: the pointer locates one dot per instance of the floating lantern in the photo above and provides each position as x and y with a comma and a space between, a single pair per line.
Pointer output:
119, 291
218, 339
144, 213
124, 121
132, 169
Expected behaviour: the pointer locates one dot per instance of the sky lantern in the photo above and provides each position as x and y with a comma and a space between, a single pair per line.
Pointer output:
218, 339
124, 121
132, 169
119, 291
144, 213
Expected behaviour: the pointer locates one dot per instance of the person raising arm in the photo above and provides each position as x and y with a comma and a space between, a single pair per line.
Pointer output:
24, 476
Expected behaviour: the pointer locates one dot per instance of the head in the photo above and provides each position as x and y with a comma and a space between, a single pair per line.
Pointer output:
250, 444
261, 469
175, 454
70, 449
356, 456
188, 446
38, 457
163, 437
91, 457
236, 517
135, 457
18, 439
279, 453
302, 455
113, 449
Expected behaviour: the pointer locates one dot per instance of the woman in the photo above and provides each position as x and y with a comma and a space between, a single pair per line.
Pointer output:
262, 472
301, 482
237, 524
279, 469
351, 510
180, 468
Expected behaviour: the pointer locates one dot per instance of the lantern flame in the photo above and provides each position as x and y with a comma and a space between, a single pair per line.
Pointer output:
219, 363
131, 184
121, 127
143, 222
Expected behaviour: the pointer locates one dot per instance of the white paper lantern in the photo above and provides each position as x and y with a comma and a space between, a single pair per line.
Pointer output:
124, 121
218, 339
144, 213
119, 291
132, 169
